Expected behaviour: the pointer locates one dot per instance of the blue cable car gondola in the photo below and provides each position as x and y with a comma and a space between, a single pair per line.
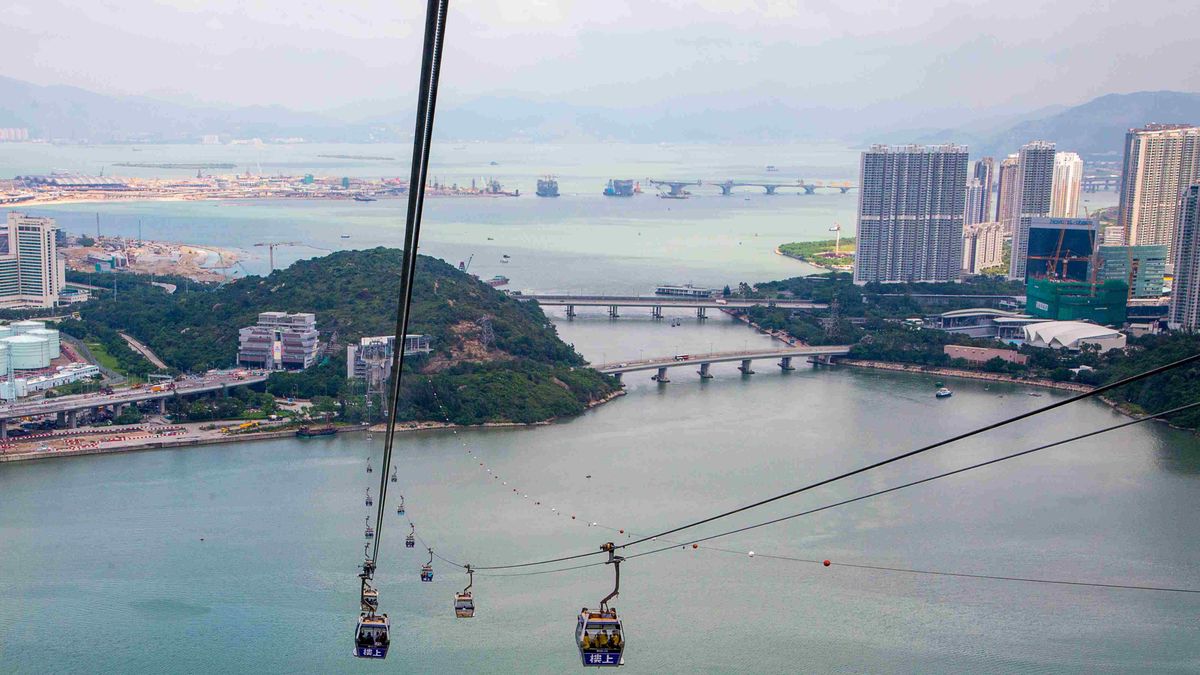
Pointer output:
598, 633
369, 502
370, 533
371, 639
394, 479
410, 541
369, 469
400, 506
427, 568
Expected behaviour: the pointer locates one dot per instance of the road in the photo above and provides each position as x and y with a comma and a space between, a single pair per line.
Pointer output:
197, 385
144, 351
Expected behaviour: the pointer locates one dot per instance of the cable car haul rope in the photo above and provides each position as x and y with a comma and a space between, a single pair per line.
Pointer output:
599, 634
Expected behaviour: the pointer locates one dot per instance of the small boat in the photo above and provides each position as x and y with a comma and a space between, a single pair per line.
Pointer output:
1034, 393
312, 432
363, 198
944, 393
345, 236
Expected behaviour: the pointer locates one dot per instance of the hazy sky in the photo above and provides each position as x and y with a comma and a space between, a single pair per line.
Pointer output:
328, 55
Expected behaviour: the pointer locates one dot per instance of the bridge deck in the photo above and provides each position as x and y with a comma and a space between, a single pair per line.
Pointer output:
665, 301
719, 357
83, 401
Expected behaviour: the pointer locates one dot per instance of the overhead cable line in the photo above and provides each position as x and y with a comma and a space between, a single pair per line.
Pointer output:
696, 542
967, 434
968, 575
431, 65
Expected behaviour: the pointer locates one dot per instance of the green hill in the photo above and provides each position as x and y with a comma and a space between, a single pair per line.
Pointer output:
524, 373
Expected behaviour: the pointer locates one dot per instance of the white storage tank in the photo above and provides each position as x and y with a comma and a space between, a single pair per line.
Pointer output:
28, 352
3, 359
22, 327
6, 331
52, 339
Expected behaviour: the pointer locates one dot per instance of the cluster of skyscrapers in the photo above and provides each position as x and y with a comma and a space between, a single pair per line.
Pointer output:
927, 215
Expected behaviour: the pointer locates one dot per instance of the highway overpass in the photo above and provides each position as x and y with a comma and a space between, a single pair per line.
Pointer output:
66, 407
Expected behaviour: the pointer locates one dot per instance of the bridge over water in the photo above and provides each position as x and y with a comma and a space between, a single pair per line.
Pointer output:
704, 361
656, 303
677, 189
67, 407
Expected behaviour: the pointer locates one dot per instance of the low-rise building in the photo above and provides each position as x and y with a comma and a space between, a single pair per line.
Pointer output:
1072, 335
279, 341
371, 358
984, 354
983, 322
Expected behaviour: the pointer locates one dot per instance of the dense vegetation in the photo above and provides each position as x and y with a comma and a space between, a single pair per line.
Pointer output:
519, 370
821, 252
871, 319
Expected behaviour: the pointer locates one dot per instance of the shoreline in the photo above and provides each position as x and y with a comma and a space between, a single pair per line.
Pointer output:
159, 443
965, 374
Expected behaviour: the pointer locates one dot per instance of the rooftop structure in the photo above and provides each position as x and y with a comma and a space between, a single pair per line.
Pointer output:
1072, 335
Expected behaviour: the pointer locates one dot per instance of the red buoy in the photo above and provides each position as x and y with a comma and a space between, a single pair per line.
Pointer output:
695, 545
826, 563
622, 531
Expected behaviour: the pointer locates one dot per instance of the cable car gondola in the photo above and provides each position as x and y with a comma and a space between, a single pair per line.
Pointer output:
427, 568
598, 633
394, 479
370, 533
371, 638
369, 502
400, 506
410, 541
464, 604
369, 469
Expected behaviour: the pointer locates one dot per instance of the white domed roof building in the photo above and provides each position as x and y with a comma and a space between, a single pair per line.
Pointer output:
1072, 335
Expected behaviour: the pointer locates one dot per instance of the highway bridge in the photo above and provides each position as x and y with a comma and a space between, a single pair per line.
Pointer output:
656, 303
676, 189
68, 407
704, 361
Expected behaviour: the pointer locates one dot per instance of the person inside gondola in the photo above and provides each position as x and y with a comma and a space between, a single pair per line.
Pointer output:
615, 642
587, 641
602, 640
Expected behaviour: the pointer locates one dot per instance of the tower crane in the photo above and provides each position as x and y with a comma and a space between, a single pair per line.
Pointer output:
272, 244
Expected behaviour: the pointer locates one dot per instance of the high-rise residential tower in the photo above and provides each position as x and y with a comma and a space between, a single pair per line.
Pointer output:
979, 192
1031, 193
32, 274
910, 214
1006, 178
1064, 195
1161, 161
1185, 293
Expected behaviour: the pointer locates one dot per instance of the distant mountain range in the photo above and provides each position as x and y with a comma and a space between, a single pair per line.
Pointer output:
1094, 129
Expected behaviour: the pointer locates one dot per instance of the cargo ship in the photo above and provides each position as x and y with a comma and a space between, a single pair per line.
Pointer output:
497, 281
363, 198
312, 432
618, 187
547, 187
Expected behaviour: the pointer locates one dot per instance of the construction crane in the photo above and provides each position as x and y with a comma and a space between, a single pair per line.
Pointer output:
272, 244
464, 266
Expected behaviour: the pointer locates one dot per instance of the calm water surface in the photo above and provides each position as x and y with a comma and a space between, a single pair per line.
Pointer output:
105, 568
